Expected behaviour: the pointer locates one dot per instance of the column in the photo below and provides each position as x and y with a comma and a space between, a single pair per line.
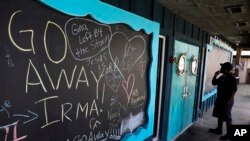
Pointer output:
237, 60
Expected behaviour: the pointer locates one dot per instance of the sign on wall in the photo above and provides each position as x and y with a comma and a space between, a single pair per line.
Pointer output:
71, 77
214, 58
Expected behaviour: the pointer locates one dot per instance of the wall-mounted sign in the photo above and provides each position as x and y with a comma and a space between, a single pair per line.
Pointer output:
181, 64
194, 65
218, 42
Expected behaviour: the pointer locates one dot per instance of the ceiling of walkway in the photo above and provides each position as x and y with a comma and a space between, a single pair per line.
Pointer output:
227, 18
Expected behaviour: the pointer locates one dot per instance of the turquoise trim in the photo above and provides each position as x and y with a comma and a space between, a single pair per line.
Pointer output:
102, 12
204, 97
209, 94
226, 47
108, 14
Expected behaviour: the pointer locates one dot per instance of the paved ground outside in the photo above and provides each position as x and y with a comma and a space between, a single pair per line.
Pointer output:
240, 114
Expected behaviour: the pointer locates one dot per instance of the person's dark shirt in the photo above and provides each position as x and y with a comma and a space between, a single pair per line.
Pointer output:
227, 85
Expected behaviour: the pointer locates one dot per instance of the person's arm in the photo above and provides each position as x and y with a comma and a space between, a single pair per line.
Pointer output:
215, 80
231, 97
234, 89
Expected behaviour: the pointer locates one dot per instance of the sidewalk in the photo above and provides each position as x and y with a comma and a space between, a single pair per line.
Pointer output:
240, 114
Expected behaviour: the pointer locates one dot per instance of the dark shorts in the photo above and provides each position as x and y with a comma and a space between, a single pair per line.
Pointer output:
223, 112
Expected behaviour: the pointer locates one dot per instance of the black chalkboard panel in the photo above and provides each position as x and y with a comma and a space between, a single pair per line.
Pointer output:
65, 78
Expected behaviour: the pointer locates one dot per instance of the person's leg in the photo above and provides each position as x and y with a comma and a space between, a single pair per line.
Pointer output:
220, 124
227, 135
217, 130
228, 124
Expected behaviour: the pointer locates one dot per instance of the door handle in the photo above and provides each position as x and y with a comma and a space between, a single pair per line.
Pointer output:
185, 93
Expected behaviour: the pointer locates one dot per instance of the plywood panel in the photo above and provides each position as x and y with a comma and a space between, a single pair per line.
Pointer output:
214, 58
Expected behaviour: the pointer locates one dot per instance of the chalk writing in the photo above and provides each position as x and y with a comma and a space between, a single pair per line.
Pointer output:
50, 23
129, 86
89, 110
142, 66
4, 108
111, 134
45, 110
132, 50
81, 75
103, 93
114, 134
7, 130
33, 83
94, 123
137, 98
98, 59
113, 76
30, 116
13, 122
97, 91
97, 80
91, 41
11, 38
10, 61
7, 103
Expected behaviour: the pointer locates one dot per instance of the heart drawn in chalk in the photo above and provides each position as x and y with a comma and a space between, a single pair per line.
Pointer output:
127, 51
124, 54
128, 86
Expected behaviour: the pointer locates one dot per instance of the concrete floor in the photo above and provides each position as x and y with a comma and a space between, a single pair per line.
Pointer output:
240, 114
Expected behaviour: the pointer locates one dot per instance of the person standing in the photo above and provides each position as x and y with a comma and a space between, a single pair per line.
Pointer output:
226, 89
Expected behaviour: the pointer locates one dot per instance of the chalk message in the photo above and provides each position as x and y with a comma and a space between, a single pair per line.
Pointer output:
69, 78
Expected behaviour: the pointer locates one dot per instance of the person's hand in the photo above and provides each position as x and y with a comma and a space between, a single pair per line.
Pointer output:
217, 73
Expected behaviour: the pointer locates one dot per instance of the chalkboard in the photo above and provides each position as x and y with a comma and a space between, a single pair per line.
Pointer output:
70, 78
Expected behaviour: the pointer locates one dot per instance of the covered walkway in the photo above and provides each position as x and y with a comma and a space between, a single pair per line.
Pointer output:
240, 113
